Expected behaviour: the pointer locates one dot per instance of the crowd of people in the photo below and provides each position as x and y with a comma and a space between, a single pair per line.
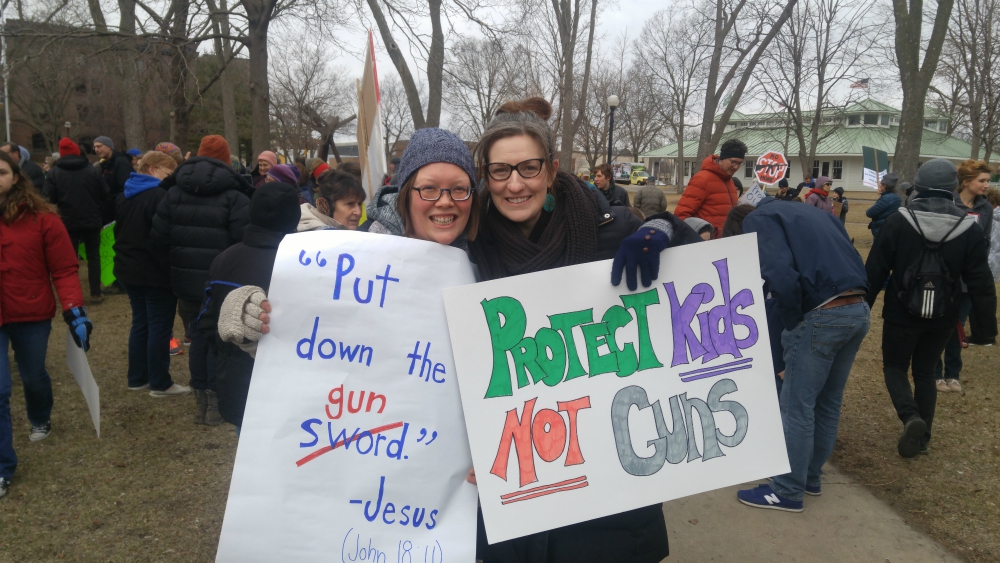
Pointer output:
196, 236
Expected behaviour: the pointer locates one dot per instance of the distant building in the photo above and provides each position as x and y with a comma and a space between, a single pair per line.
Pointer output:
867, 123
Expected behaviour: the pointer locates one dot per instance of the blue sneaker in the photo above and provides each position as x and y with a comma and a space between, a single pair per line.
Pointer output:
762, 496
813, 490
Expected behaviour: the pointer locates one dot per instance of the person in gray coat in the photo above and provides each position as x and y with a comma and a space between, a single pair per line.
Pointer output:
650, 200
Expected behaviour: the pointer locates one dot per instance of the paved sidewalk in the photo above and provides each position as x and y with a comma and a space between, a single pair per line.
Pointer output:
844, 525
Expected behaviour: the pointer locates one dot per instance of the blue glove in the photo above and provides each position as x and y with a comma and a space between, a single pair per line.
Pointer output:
641, 250
79, 326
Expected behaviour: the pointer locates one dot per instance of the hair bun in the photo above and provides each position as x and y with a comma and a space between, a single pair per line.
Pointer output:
536, 105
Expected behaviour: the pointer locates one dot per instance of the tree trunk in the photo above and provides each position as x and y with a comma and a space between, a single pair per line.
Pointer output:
260, 100
128, 71
224, 51
435, 65
396, 56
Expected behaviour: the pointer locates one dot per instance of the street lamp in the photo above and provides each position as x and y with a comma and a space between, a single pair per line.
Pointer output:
66, 125
613, 105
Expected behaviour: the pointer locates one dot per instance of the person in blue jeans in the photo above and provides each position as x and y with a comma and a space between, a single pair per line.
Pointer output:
143, 268
818, 282
37, 255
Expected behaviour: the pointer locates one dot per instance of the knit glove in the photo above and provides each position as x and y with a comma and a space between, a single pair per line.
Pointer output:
641, 250
238, 319
79, 326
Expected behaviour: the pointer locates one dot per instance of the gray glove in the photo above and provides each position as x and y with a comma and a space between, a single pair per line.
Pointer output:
238, 319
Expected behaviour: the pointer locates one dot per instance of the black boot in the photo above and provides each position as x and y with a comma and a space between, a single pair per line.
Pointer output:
201, 397
212, 416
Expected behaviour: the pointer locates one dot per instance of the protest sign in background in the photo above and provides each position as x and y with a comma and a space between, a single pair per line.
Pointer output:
771, 167
353, 445
582, 399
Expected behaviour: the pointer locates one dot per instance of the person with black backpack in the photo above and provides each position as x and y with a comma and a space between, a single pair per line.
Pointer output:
929, 248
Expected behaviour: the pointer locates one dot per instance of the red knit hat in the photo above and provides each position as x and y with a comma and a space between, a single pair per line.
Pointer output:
323, 167
214, 146
68, 147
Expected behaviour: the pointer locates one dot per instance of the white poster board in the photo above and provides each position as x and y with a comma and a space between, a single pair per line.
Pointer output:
579, 397
353, 445
76, 361
752, 196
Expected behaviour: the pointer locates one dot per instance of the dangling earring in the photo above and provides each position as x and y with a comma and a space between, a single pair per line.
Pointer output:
550, 202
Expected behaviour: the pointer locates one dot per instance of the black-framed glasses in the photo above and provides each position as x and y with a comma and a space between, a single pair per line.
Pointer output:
526, 169
433, 193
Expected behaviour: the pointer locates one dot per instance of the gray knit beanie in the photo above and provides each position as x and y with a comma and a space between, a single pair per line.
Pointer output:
431, 145
106, 141
890, 180
937, 174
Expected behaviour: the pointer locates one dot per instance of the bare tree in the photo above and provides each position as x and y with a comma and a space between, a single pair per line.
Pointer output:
396, 120
478, 79
674, 51
824, 44
915, 78
743, 31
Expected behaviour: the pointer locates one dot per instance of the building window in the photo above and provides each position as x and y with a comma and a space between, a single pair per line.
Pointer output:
815, 169
942, 126
838, 169
871, 119
854, 120
932, 125
687, 168
885, 119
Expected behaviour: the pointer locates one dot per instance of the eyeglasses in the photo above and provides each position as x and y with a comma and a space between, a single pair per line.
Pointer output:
526, 169
433, 193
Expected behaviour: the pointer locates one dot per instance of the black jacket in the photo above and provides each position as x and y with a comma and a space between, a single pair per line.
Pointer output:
116, 171
965, 254
138, 260
205, 211
246, 263
616, 195
34, 172
78, 190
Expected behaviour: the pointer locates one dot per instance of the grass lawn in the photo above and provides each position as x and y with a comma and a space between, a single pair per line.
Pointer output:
154, 487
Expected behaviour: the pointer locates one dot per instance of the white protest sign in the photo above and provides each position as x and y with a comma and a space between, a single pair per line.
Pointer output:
76, 361
752, 196
582, 399
353, 445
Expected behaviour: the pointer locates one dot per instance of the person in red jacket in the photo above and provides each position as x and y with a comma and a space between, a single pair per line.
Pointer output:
711, 192
35, 254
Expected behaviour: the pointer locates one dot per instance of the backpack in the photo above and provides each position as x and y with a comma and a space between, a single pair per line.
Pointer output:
928, 289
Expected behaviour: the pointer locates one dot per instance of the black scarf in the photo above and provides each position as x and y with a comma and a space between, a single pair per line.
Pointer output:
567, 236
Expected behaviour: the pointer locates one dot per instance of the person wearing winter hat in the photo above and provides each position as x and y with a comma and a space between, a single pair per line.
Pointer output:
144, 270
338, 204
914, 339
265, 160
283, 173
37, 257
79, 191
820, 195
888, 203
711, 192
205, 211
28, 168
704, 229
136, 154
241, 269
116, 168
840, 204
170, 149
784, 193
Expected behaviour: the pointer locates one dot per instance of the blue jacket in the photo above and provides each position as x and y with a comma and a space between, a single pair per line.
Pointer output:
138, 183
806, 256
887, 204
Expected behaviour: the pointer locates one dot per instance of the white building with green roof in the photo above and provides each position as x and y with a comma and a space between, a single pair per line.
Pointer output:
867, 123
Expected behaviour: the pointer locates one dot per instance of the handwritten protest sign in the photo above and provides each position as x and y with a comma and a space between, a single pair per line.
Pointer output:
353, 445
582, 399
752, 196
770, 167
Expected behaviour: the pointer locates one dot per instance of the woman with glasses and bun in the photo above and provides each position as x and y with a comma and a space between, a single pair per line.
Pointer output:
537, 217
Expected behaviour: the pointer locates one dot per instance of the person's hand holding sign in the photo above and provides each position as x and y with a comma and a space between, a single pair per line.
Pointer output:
243, 317
641, 250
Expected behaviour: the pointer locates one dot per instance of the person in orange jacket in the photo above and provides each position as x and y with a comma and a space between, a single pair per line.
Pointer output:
711, 192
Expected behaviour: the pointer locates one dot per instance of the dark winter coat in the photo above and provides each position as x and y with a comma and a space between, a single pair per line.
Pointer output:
806, 256
116, 170
887, 204
205, 211
78, 190
981, 210
34, 173
246, 263
138, 260
615, 195
35, 255
650, 200
964, 252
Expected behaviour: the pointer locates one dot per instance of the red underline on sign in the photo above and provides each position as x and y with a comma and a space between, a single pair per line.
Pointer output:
326, 449
567, 485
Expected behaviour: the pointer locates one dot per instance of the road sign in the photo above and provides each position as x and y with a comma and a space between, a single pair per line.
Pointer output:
771, 167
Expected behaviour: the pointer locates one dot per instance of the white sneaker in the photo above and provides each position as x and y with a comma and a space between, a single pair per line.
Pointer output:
942, 386
142, 387
175, 390
39, 433
954, 385
4, 485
